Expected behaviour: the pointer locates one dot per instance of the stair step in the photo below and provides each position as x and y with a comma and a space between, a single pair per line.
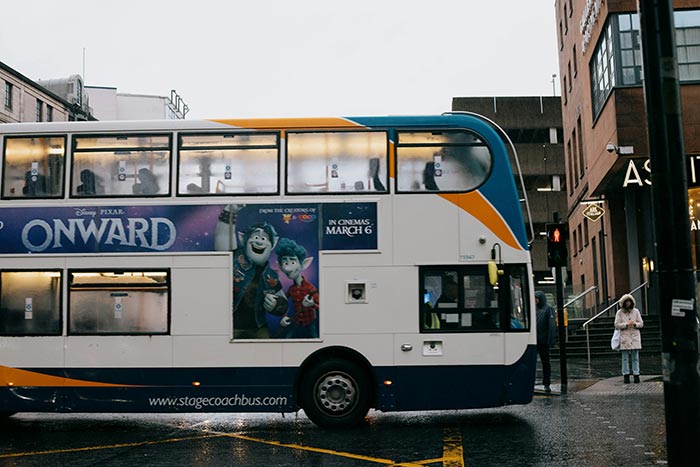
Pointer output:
599, 334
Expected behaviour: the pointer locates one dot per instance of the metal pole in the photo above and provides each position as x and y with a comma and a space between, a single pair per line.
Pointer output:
677, 284
560, 318
562, 329
603, 261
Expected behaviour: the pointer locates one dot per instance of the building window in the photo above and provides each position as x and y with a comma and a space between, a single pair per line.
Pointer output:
575, 62
566, 19
573, 180
574, 153
49, 113
39, 110
580, 238
579, 148
585, 232
602, 69
561, 35
8, 95
617, 58
630, 51
565, 92
575, 243
688, 44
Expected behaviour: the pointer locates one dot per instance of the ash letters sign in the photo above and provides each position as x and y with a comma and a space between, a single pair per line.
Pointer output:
638, 172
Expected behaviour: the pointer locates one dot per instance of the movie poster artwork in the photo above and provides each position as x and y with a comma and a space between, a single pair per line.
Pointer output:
275, 269
275, 248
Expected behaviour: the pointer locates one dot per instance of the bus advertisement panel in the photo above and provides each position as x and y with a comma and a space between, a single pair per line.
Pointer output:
180, 228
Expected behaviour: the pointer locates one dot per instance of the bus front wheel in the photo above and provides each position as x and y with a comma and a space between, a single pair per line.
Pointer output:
335, 394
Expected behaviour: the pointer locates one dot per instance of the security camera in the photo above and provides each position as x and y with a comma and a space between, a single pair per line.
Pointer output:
610, 147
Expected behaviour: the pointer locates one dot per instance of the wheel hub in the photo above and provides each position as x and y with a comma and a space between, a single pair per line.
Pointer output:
337, 393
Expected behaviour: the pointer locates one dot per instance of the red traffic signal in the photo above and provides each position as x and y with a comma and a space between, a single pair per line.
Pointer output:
556, 245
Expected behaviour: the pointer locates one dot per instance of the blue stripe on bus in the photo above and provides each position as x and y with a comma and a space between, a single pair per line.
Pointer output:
271, 390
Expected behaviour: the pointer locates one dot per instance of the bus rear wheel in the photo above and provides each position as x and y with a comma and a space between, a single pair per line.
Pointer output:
335, 394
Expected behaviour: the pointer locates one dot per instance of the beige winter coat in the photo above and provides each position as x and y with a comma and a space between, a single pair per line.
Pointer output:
630, 337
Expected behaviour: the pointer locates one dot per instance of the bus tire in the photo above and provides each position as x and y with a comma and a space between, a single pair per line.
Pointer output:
335, 394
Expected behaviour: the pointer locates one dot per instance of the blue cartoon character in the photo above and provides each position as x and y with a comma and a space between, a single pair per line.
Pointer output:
256, 286
292, 260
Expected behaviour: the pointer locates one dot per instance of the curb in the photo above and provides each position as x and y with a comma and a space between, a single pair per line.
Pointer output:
651, 384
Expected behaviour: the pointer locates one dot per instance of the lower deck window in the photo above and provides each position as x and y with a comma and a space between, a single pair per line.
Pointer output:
118, 302
462, 298
30, 303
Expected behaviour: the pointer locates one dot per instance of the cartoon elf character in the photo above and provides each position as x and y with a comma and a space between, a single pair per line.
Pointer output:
256, 286
292, 260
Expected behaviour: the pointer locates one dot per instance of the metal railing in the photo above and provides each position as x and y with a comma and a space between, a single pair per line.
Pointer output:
585, 325
577, 297
574, 312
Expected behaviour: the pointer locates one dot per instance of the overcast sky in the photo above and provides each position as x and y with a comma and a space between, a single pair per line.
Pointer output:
281, 58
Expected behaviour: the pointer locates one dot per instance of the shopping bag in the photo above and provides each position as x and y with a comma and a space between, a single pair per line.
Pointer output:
615, 341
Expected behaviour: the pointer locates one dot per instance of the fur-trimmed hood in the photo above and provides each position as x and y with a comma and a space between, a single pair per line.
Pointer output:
627, 297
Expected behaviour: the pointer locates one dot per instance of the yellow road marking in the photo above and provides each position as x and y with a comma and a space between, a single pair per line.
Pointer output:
452, 449
300, 447
108, 446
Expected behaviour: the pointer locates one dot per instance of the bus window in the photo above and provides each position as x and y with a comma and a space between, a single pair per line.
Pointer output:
337, 162
225, 163
33, 167
118, 302
123, 165
30, 303
460, 299
448, 161
519, 299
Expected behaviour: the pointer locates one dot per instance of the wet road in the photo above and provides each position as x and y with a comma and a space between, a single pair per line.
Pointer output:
600, 422
581, 429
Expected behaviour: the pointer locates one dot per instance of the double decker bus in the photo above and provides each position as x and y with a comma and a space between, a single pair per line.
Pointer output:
332, 265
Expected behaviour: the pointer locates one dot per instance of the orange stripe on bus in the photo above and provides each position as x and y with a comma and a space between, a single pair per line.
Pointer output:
283, 123
23, 378
392, 168
476, 205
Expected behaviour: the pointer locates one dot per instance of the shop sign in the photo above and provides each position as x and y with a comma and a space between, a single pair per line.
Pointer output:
638, 172
594, 212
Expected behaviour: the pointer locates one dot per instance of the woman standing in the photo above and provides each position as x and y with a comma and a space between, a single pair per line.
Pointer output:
629, 320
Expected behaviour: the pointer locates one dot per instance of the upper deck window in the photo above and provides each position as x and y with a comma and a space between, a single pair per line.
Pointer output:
446, 161
225, 163
33, 167
337, 162
122, 165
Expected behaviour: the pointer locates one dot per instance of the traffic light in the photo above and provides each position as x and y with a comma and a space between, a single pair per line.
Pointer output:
556, 245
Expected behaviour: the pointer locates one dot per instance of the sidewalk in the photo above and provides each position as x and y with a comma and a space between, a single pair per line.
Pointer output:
603, 377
